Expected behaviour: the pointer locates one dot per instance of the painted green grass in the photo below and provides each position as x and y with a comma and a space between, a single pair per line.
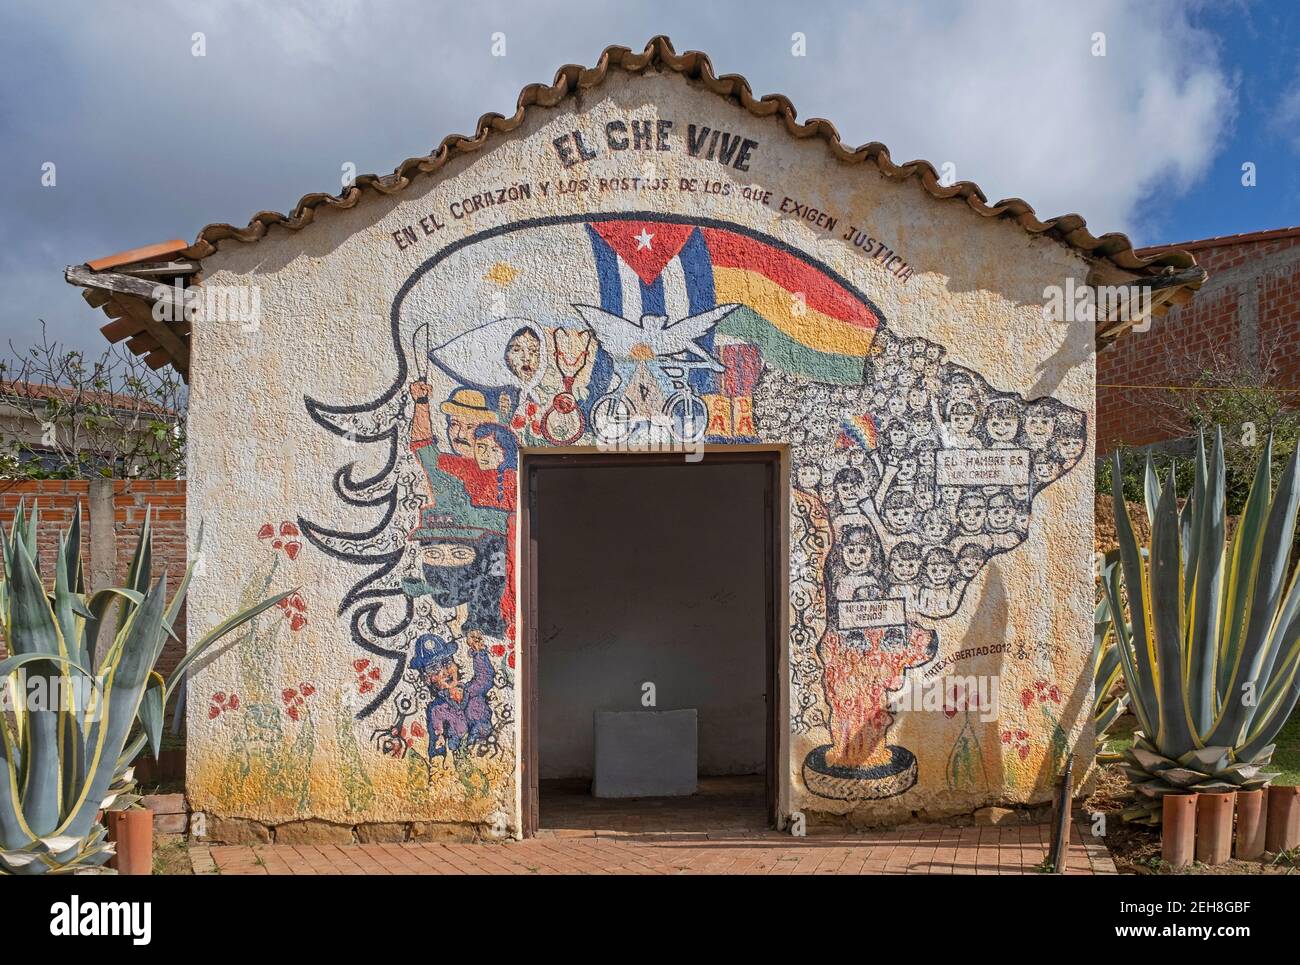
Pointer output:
1286, 759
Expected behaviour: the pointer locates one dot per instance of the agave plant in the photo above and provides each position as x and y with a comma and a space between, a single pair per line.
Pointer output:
1211, 655
67, 745
1107, 706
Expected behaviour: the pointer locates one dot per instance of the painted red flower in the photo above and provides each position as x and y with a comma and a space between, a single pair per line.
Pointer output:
282, 538
221, 703
499, 650
295, 699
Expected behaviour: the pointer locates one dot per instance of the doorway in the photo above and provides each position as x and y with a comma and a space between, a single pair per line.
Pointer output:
648, 595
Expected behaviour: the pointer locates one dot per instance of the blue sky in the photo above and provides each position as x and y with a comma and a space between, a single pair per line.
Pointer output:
151, 142
1260, 49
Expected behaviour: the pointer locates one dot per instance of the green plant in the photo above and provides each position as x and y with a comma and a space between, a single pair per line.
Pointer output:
1107, 705
1211, 654
67, 745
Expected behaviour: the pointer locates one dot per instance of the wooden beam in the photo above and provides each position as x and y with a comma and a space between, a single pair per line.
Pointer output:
120, 284
166, 338
120, 328
162, 269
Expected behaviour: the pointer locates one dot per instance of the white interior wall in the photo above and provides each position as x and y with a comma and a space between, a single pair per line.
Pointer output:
652, 574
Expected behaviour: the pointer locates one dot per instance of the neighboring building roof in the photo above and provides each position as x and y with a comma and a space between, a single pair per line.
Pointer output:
1224, 241
19, 389
1171, 271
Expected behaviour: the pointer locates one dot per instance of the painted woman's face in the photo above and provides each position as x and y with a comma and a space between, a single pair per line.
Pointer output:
523, 356
968, 566
488, 453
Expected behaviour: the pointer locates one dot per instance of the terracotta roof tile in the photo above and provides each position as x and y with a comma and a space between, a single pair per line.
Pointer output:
147, 253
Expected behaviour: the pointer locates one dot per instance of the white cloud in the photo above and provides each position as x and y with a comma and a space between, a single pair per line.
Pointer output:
152, 142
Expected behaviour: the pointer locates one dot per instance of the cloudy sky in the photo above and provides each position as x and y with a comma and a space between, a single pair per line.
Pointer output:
150, 142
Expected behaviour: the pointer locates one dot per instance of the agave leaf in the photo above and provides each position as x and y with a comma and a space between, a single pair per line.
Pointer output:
14, 829
1274, 554
1165, 590
1142, 682
32, 629
60, 843
72, 553
1280, 699
151, 711
1153, 763
1124, 649
1212, 787
98, 607
1207, 759
18, 859
1200, 695
129, 663
1247, 544
141, 569
1152, 489
1243, 771
1181, 776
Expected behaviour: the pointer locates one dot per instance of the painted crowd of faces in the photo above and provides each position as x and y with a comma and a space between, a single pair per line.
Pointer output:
896, 531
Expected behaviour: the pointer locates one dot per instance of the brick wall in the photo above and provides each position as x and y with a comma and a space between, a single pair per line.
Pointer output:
1248, 310
131, 499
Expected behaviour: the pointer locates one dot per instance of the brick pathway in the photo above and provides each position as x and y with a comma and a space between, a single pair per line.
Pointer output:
916, 850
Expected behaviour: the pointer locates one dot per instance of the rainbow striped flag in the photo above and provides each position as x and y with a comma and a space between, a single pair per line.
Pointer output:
804, 318
857, 432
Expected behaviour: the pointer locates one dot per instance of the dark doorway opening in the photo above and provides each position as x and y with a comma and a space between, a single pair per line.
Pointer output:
644, 575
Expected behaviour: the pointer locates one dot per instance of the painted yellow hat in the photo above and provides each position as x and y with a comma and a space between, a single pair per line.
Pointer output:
467, 402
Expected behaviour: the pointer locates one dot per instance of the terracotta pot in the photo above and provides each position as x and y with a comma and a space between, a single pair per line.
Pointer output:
132, 829
1251, 809
1178, 829
1282, 829
1214, 827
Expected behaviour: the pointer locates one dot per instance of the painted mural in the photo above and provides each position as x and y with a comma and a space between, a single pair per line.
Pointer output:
910, 473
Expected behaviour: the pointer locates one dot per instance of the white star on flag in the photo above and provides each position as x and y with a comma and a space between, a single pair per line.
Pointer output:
643, 240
